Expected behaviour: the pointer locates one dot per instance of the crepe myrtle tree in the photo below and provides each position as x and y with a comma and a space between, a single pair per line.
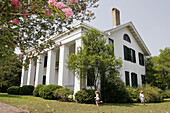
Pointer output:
28, 24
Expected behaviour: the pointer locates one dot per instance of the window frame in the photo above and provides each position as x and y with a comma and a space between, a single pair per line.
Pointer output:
127, 78
126, 38
141, 59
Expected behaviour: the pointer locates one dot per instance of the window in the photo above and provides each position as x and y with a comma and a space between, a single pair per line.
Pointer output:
127, 78
141, 59
111, 41
90, 77
126, 37
44, 80
134, 79
129, 54
143, 79
45, 61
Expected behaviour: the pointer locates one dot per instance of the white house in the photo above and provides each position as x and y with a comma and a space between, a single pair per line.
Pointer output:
50, 67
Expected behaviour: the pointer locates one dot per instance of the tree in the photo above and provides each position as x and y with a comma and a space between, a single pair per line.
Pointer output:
158, 70
96, 56
10, 72
28, 24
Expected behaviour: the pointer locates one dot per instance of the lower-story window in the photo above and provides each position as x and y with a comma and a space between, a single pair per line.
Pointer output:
90, 77
134, 80
127, 78
44, 80
143, 79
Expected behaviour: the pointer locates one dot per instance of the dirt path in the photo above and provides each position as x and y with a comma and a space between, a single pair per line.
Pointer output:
4, 108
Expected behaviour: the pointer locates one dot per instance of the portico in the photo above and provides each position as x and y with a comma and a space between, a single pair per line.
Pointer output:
50, 67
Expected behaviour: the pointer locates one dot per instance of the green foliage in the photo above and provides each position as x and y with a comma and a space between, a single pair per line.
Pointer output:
36, 90
152, 94
115, 91
13, 90
36, 26
63, 94
95, 55
46, 91
85, 96
158, 70
10, 72
166, 94
26, 90
133, 94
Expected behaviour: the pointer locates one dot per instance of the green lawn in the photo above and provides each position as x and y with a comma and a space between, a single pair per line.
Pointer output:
37, 104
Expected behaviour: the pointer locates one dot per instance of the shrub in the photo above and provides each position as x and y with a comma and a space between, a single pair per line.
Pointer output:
63, 94
115, 91
133, 94
36, 90
152, 94
46, 91
26, 90
85, 96
13, 90
166, 94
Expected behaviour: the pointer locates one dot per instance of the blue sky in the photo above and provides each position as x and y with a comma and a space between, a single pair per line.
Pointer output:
150, 17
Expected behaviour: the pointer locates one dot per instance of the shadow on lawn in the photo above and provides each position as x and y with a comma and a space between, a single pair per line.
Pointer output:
9, 96
119, 104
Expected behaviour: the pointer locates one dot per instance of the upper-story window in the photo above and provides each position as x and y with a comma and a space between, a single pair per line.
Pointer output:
45, 61
141, 59
111, 41
126, 37
129, 54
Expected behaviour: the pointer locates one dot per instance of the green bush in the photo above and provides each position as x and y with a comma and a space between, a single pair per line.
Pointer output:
36, 90
46, 91
85, 96
166, 94
115, 91
26, 90
13, 90
133, 94
63, 94
152, 94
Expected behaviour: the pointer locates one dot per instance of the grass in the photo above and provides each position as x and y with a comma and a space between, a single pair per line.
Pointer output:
37, 104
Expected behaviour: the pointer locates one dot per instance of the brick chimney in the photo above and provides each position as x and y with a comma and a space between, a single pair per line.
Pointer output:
115, 17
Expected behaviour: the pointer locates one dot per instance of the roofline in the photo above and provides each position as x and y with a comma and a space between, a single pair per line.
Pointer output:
73, 27
132, 28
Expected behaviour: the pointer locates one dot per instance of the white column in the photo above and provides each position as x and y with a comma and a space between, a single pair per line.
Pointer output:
31, 73
63, 71
50, 72
24, 76
39, 70
77, 85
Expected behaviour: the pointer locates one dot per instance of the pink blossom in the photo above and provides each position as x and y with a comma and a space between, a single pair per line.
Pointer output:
16, 4
59, 5
72, 1
21, 56
25, 13
15, 21
32, 7
68, 12
51, 2
47, 12
61, 44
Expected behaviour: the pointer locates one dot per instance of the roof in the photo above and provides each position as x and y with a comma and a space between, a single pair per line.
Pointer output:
129, 25
133, 30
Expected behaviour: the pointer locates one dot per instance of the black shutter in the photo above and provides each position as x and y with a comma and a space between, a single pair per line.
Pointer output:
127, 78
